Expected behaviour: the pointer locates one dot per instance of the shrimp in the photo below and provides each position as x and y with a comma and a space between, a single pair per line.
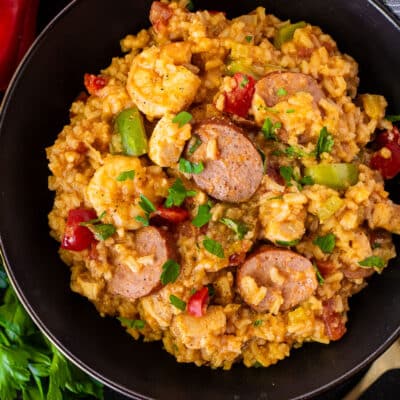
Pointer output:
159, 80
120, 199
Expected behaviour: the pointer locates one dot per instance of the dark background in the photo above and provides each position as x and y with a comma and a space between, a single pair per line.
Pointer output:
388, 386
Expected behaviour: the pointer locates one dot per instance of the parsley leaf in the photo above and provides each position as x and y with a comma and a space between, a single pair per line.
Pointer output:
146, 205
290, 111
197, 143
269, 129
320, 278
177, 302
293, 151
103, 231
182, 118
325, 142
143, 220
249, 38
287, 174
123, 176
288, 244
263, 159
211, 290
326, 243
177, 193
238, 227
281, 92
307, 180
393, 118
244, 81
190, 168
372, 261
213, 247
258, 322
203, 216
132, 323
376, 245
170, 272
93, 221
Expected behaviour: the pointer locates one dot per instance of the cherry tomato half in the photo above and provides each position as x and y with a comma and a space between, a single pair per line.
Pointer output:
173, 214
94, 83
77, 237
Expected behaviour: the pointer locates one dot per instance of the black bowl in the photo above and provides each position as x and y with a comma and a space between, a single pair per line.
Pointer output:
83, 39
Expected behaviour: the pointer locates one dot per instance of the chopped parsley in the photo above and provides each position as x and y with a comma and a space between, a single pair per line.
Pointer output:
280, 197
290, 111
307, 180
146, 205
211, 290
249, 38
326, 243
372, 261
269, 129
320, 278
182, 118
258, 322
281, 92
393, 118
190, 6
288, 244
325, 142
195, 145
213, 247
100, 231
287, 174
132, 323
123, 176
263, 159
376, 245
143, 220
177, 193
170, 272
293, 151
177, 302
244, 82
203, 215
238, 227
190, 168
257, 364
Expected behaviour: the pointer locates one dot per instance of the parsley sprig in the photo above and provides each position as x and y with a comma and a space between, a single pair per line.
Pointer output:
213, 247
203, 215
190, 168
182, 118
269, 129
372, 262
325, 142
177, 193
101, 231
289, 175
148, 207
30, 366
238, 227
326, 243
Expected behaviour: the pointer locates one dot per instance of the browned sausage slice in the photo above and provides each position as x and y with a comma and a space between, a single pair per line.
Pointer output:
233, 168
270, 87
149, 241
288, 277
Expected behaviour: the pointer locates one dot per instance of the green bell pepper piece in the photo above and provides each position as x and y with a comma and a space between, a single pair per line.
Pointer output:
129, 125
286, 32
336, 176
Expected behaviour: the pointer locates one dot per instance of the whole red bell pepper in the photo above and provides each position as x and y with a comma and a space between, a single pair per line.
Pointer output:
17, 32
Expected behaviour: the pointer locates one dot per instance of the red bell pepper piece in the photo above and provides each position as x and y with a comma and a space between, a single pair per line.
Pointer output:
197, 304
173, 214
17, 32
388, 166
238, 100
94, 83
77, 237
334, 324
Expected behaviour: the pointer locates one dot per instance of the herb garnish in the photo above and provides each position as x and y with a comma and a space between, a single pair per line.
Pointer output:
132, 323
177, 193
288, 244
258, 322
393, 118
197, 143
269, 129
203, 215
326, 243
320, 278
325, 142
238, 227
170, 272
290, 110
100, 231
213, 247
190, 6
263, 159
182, 118
281, 92
177, 302
190, 168
249, 38
372, 261
244, 82
288, 174
123, 176
148, 207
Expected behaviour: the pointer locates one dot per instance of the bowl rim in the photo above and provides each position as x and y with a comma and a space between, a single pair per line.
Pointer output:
391, 18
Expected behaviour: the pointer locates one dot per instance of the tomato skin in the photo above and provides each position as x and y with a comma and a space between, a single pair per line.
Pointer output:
238, 100
334, 325
197, 304
173, 214
94, 83
388, 167
77, 237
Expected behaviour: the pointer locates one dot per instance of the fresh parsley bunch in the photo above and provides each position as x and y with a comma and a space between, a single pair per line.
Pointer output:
31, 368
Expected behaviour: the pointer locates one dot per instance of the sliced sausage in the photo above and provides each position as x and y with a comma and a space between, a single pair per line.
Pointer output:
149, 241
288, 277
233, 167
270, 87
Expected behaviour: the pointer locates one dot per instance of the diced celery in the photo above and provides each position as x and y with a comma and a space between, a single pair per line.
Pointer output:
286, 32
329, 207
336, 176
